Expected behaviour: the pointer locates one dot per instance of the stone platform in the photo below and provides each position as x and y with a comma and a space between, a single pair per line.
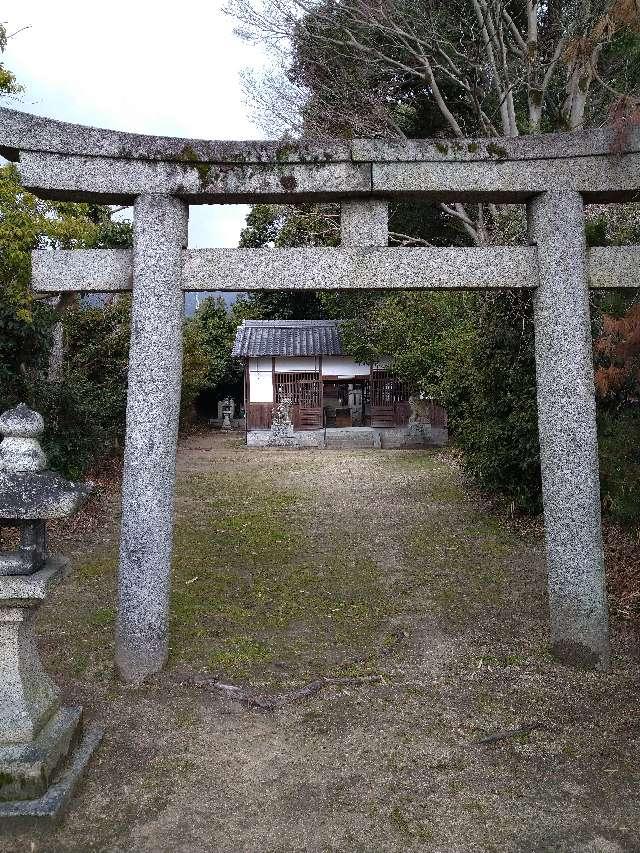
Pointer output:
353, 438
49, 806
44, 748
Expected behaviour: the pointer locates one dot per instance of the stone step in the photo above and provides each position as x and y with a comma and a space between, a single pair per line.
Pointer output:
344, 439
348, 445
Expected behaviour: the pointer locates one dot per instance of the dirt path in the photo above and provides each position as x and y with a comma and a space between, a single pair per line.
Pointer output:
424, 615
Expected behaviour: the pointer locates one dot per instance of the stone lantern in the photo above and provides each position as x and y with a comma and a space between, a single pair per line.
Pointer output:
43, 746
227, 413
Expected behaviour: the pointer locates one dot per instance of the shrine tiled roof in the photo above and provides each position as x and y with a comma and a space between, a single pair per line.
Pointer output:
285, 338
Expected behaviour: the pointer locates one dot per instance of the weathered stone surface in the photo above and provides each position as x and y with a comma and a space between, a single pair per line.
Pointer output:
28, 697
64, 161
153, 403
567, 428
99, 270
614, 266
20, 449
42, 494
27, 769
71, 178
49, 807
28, 590
105, 180
21, 131
538, 146
308, 268
320, 268
364, 223
359, 268
613, 178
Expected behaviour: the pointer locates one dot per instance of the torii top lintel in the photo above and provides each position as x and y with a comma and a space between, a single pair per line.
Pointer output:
73, 162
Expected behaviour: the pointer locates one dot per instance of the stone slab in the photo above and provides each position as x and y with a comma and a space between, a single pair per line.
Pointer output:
599, 179
111, 181
48, 808
359, 268
26, 770
108, 270
350, 437
20, 131
28, 590
90, 270
72, 178
74, 162
303, 439
534, 146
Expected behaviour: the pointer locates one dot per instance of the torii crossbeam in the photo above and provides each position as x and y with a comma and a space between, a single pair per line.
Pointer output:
554, 174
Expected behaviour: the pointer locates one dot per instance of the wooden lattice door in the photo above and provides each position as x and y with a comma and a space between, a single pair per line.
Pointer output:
305, 392
388, 396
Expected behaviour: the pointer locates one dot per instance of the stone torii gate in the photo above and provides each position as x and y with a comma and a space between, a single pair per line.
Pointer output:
554, 174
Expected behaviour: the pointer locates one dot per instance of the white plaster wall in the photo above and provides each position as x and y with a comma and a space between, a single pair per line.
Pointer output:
307, 365
343, 367
260, 380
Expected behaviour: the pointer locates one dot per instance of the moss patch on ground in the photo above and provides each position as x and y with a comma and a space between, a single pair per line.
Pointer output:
252, 596
458, 555
252, 600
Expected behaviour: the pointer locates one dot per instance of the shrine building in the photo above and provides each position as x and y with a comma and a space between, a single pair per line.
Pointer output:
303, 361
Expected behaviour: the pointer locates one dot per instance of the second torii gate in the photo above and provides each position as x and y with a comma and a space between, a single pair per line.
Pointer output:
554, 174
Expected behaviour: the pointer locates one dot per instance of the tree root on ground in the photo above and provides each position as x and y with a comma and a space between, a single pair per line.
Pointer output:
276, 701
508, 733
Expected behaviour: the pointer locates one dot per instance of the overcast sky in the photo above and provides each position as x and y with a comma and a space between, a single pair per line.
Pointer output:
141, 66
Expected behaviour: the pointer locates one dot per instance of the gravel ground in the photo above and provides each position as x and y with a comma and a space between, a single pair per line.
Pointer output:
424, 617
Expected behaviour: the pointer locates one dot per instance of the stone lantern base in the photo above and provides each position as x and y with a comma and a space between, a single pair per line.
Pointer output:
44, 747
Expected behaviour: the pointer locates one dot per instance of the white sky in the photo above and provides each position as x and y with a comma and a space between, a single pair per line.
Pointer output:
141, 66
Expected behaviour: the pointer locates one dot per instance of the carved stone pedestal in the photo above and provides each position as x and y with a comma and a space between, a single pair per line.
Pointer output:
43, 747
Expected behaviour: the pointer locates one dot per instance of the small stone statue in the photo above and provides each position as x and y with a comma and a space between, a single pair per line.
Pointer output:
419, 427
281, 434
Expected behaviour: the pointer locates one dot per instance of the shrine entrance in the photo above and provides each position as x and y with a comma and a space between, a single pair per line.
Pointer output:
555, 175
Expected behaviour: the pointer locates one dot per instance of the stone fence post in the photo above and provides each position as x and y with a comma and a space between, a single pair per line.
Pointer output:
153, 404
567, 428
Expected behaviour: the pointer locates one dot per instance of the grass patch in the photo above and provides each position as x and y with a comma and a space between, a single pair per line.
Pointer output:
103, 617
252, 601
462, 562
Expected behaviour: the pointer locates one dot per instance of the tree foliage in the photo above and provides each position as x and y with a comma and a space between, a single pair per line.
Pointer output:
8, 83
469, 67
214, 327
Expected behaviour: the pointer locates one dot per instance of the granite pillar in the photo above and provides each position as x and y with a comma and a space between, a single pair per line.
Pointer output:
364, 223
153, 402
567, 428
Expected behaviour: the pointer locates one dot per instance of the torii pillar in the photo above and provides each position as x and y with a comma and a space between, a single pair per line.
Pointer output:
568, 432
153, 409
